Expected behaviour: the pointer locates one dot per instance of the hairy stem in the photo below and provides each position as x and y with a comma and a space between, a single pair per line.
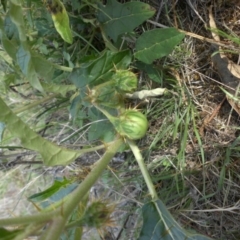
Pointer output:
143, 169
57, 225
36, 218
63, 68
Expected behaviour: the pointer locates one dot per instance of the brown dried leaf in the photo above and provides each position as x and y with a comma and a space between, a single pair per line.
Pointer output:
228, 70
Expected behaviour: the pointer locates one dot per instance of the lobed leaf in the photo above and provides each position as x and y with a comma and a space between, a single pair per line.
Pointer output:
117, 18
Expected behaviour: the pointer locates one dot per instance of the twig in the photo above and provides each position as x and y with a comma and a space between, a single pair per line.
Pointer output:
189, 2
159, 10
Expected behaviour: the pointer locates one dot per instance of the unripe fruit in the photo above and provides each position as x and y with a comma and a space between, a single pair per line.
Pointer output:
132, 124
126, 81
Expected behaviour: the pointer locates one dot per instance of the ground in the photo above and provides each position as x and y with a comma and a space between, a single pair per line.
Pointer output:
212, 156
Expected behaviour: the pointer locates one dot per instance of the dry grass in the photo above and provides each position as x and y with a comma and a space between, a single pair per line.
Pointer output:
210, 179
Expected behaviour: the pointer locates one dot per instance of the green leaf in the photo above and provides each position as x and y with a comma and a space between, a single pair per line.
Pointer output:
33, 78
61, 20
8, 33
52, 154
158, 223
100, 69
157, 43
42, 67
10, 28
9, 79
77, 114
152, 71
54, 196
16, 15
43, 27
101, 128
23, 59
27, 67
76, 5
9, 46
34, 67
118, 18
57, 185
9, 235
32, 64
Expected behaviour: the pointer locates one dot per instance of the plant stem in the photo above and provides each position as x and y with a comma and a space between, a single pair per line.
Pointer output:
37, 218
92, 149
92, 177
111, 118
63, 68
143, 169
57, 226
54, 230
